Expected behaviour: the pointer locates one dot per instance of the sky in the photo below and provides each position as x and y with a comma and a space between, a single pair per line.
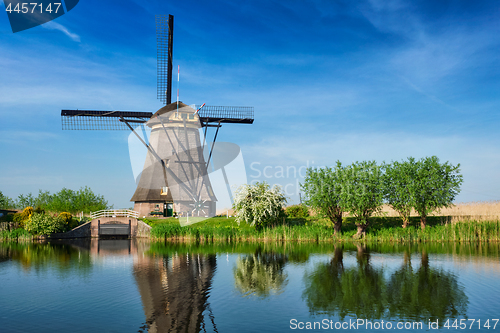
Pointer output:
329, 80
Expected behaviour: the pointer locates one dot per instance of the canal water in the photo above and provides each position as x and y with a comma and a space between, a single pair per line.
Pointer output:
139, 286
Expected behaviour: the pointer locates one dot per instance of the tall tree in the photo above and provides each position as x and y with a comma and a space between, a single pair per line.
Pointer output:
399, 179
363, 192
24, 201
6, 202
435, 186
324, 192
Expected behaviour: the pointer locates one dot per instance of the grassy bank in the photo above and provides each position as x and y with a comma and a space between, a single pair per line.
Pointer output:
382, 229
20, 235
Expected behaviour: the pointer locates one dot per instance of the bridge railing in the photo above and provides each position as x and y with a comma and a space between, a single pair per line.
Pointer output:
114, 213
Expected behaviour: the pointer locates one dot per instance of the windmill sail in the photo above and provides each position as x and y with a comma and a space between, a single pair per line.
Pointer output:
164, 49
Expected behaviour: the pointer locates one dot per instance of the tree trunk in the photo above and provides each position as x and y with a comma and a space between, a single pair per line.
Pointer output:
361, 230
423, 220
336, 219
337, 224
406, 221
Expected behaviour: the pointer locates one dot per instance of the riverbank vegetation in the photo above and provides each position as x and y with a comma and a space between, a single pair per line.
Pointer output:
318, 229
66, 200
46, 213
360, 190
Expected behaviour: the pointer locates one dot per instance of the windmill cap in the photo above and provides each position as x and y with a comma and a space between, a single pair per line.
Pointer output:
173, 107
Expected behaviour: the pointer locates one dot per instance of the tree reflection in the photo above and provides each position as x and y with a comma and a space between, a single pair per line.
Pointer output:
45, 256
260, 274
427, 293
362, 291
358, 291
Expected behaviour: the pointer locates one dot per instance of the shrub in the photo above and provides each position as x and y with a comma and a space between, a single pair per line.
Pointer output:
259, 204
66, 217
297, 211
68, 221
42, 224
23, 216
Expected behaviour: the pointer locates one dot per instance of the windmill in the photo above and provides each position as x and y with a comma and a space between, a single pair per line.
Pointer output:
175, 172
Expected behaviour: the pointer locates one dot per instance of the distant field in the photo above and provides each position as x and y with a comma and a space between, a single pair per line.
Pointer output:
480, 211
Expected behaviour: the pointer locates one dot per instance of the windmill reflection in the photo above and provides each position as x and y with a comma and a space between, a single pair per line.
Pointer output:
175, 290
363, 291
260, 274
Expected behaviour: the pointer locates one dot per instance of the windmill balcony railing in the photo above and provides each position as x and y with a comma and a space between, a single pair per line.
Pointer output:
114, 213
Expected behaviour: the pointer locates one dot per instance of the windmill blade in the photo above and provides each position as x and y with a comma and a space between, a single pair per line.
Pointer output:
225, 114
164, 49
101, 120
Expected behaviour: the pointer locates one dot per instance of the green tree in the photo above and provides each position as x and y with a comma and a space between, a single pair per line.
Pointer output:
84, 199
87, 201
399, 179
24, 201
363, 192
43, 199
6, 202
435, 186
323, 189
259, 204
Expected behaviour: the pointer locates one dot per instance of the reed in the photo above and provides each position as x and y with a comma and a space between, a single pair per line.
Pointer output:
19, 235
384, 229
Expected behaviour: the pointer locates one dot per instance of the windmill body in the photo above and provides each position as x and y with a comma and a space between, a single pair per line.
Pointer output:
181, 182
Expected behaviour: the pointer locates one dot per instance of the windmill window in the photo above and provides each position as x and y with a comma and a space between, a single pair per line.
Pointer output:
157, 207
191, 116
184, 116
164, 190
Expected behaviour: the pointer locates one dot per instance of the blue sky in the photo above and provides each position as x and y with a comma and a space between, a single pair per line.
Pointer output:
329, 80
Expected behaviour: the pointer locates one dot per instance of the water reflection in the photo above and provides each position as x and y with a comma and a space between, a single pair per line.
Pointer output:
425, 293
61, 257
364, 292
174, 291
260, 273
333, 289
167, 287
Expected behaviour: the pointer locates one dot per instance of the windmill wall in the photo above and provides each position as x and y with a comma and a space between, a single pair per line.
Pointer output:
175, 139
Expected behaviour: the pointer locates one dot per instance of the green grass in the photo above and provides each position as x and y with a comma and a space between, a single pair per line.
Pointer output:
382, 229
15, 235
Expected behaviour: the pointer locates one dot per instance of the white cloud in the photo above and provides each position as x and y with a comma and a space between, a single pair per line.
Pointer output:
56, 26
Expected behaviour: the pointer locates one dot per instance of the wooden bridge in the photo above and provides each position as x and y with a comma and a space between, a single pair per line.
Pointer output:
106, 223
114, 222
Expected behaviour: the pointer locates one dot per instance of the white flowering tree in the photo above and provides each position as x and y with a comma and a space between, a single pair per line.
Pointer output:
259, 204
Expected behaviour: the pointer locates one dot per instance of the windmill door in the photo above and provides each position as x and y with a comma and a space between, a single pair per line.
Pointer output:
170, 210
